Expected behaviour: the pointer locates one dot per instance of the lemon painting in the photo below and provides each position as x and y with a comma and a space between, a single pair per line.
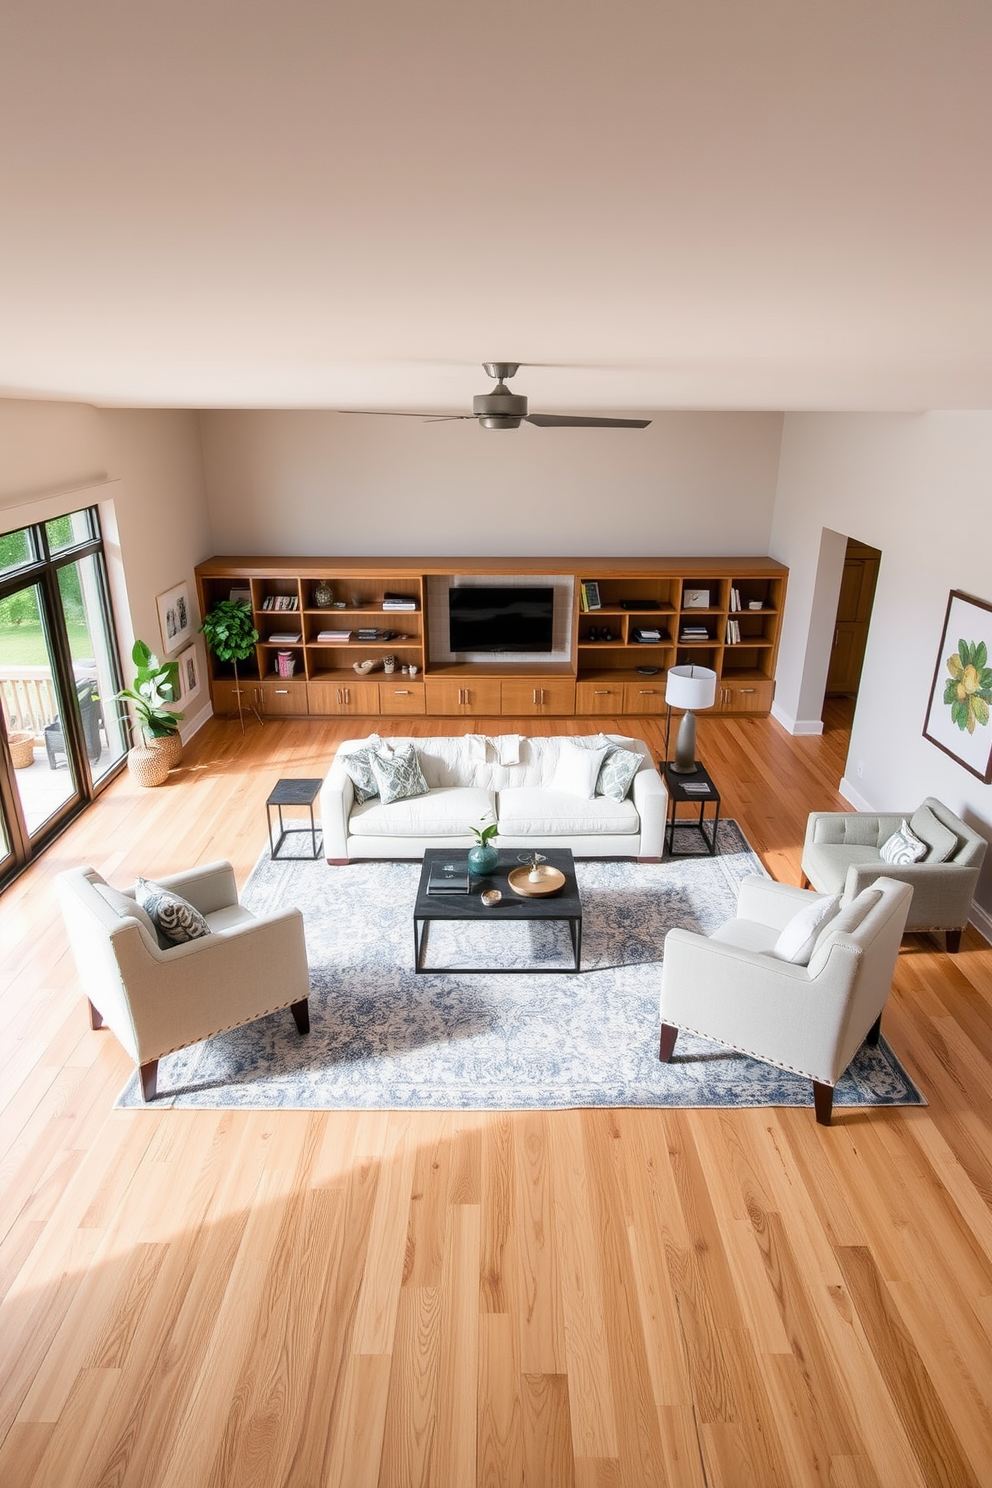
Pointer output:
968, 690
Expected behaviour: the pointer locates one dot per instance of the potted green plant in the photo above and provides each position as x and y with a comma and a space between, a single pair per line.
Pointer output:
156, 684
231, 635
483, 857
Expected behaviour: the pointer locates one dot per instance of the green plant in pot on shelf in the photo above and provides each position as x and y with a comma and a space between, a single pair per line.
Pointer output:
483, 857
155, 686
231, 635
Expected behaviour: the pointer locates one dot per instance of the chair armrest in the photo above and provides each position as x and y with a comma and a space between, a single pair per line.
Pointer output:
942, 892
208, 888
337, 797
650, 795
769, 902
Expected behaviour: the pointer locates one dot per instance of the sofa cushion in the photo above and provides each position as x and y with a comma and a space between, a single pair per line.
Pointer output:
577, 770
450, 812
941, 841
825, 864
529, 811
903, 847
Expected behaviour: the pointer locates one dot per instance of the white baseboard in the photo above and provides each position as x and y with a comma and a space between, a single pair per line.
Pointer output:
853, 796
191, 726
796, 725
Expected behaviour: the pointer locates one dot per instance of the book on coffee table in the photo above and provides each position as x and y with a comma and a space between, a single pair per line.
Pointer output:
448, 878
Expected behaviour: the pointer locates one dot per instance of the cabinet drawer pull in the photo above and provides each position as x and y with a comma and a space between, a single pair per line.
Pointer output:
401, 692
602, 692
648, 691
282, 691
746, 689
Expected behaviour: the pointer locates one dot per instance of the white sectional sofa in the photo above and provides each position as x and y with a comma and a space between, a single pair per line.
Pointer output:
469, 776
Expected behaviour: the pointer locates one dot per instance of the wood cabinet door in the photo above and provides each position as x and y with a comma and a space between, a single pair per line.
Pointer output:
539, 697
644, 697
225, 696
468, 698
281, 699
343, 698
599, 697
401, 698
744, 697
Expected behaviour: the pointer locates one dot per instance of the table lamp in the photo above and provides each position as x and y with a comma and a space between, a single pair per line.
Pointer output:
687, 687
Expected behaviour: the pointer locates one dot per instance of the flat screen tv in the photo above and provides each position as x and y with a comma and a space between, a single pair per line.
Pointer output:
489, 617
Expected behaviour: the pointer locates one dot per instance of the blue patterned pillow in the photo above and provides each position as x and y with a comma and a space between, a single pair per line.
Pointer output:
359, 769
617, 772
399, 777
171, 914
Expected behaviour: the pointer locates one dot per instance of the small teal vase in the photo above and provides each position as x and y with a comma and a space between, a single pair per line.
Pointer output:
482, 859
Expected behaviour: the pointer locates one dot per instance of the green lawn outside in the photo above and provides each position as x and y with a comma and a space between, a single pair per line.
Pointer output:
24, 645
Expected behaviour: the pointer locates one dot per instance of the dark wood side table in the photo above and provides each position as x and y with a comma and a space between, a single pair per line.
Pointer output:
699, 791
292, 793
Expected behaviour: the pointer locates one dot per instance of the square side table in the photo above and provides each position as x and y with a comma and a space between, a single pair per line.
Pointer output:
292, 793
696, 790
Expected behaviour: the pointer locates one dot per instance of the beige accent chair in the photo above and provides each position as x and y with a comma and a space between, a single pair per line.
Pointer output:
841, 855
811, 1019
156, 1001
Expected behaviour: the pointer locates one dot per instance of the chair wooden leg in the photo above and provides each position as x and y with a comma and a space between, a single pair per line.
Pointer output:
149, 1079
668, 1037
875, 1032
301, 1013
96, 1017
804, 883
952, 941
823, 1101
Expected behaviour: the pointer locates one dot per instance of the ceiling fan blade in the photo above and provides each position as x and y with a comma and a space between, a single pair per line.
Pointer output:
428, 418
567, 421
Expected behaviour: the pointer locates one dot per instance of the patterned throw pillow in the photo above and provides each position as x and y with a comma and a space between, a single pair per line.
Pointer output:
903, 847
399, 777
359, 768
170, 913
617, 772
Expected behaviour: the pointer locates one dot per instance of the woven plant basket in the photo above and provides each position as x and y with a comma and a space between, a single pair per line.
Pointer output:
171, 746
148, 766
21, 748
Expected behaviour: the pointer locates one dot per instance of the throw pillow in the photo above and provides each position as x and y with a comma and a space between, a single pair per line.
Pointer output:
170, 913
848, 919
941, 841
398, 776
358, 766
796, 941
617, 773
903, 847
577, 770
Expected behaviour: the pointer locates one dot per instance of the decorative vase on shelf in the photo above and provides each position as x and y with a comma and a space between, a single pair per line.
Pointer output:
482, 859
323, 594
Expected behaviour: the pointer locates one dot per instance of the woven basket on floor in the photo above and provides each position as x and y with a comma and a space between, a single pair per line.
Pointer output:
148, 766
21, 748
171, 746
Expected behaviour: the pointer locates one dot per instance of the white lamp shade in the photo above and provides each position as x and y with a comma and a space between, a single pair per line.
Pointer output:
690, 687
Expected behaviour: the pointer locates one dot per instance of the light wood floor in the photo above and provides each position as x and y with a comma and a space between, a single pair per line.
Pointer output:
589, 1298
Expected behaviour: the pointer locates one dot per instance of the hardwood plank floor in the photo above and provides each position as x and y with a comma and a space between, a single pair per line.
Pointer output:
705, 1299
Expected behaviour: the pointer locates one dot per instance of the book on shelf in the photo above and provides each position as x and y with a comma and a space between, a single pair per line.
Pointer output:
695, 787
649, 635
398, 602
589, 595
284, 638
334, 635
735, 599
448, 878
733, 632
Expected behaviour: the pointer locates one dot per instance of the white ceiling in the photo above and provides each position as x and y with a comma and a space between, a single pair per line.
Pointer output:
758, 204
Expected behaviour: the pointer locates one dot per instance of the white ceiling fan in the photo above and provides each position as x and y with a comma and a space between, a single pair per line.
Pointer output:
501, 409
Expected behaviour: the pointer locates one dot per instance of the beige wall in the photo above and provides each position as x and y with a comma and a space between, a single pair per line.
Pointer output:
152, 459
918, 488
324, 483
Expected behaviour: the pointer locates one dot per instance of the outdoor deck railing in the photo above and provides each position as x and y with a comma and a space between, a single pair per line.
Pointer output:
29, 700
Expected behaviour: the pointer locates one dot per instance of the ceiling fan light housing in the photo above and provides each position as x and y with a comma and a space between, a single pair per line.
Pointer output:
500, 409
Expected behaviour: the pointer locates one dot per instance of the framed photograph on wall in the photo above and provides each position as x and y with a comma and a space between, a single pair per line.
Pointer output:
174, 618
189, 674
957, 718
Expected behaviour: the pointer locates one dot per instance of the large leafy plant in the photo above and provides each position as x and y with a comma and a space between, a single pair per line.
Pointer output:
155, 685
231, 636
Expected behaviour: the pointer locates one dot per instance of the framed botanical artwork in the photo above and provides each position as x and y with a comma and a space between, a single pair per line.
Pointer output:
957, 718
189, 674
174, 618
695, 599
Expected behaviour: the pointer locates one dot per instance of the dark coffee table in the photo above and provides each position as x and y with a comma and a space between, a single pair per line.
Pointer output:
564, 906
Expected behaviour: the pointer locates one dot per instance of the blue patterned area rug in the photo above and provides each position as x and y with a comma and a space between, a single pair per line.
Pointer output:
384, 1038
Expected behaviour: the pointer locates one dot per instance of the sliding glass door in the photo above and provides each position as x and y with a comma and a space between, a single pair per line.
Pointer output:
62, 733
